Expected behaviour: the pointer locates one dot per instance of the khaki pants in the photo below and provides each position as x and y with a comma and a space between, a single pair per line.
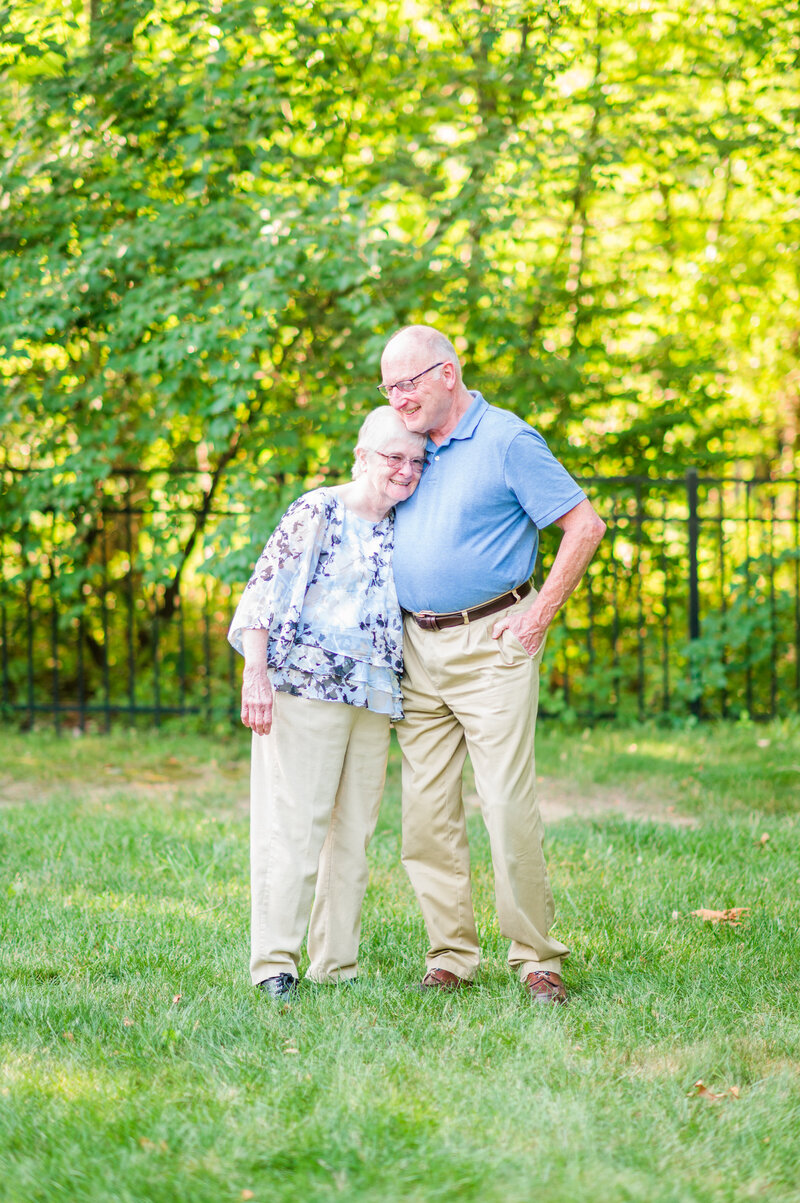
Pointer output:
466, 692
316, 786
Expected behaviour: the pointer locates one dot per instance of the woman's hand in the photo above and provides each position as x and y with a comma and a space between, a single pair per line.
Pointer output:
256, 688
257, 700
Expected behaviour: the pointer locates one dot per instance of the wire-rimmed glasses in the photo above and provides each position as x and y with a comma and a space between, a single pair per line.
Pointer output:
407, 386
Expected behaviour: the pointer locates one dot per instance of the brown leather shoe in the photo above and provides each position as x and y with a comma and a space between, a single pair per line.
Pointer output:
545, 987
442, 979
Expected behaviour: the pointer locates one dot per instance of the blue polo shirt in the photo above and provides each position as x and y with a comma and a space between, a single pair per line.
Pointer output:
470, 530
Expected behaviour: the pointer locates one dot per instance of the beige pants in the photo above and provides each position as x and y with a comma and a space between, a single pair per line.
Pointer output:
466, 692
316, 785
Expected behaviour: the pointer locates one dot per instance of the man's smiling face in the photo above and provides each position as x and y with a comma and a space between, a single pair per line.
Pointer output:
427, 406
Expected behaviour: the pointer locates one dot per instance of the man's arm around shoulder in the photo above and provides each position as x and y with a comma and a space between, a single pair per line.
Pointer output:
583, 529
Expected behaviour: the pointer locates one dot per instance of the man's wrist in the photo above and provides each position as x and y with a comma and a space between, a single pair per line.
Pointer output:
538, 619
537, 627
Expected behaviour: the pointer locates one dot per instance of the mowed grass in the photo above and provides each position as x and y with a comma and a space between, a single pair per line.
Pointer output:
139, 1064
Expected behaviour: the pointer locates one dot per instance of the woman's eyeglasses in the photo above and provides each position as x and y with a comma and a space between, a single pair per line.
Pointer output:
416, 464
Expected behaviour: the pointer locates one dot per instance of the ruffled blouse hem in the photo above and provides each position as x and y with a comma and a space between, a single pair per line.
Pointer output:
376, 690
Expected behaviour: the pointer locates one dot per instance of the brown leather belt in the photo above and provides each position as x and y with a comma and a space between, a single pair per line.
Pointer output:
456, 618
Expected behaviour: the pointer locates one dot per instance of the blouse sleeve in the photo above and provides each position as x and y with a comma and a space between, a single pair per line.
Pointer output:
273, 597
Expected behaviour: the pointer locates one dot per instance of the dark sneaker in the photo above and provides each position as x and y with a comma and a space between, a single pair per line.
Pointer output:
279, 987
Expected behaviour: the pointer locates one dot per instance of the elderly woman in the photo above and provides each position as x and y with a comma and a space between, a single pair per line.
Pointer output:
320, 630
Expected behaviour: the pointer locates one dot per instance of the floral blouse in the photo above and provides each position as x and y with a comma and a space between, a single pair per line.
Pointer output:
323, 587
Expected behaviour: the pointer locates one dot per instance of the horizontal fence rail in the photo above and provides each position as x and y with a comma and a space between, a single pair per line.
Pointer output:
119, 609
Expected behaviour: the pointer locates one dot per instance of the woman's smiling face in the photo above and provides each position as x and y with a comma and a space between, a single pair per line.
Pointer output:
393, 470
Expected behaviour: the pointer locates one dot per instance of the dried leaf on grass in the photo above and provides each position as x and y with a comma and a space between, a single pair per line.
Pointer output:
733, 916
703, 1092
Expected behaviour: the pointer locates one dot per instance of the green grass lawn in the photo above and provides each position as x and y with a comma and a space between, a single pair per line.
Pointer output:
139, 1064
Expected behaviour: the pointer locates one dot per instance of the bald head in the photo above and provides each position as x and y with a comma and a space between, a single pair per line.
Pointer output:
427, 341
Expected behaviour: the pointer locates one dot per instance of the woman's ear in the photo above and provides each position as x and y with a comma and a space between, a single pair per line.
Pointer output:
361, 460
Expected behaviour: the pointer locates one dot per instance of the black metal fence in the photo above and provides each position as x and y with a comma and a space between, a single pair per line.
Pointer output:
118, 610
691, 606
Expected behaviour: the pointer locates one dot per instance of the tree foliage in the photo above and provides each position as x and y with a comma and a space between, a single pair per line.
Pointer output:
214, 214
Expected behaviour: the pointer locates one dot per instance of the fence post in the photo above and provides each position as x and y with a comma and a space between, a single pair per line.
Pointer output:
694, 586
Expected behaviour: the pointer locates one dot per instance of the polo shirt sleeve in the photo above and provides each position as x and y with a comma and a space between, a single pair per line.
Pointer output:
543, 487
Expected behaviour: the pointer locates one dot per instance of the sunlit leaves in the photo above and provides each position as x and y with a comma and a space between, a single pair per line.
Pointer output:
217, 212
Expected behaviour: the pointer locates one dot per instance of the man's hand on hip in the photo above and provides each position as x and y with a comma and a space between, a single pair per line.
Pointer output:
525, 628
257, 699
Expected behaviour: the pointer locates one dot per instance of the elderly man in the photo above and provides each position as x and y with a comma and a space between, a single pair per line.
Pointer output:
474, 632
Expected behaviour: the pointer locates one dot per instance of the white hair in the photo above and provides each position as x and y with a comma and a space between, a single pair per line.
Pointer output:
380, 428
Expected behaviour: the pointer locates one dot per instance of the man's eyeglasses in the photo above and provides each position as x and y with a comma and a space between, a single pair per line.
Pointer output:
417, 464
407, 386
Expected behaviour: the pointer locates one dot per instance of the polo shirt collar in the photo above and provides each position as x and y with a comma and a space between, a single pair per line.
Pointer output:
466, 427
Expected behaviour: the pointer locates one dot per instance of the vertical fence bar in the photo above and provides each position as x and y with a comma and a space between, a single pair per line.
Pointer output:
723, 600
796, 518
232, 658
590, 612
614, 609
773, 611
54, 643
694, 586
81, 676
748, 591
181, 653
156, 636
4, 637
29, 634
565, 654
104, 614
4, 627
130, 621
638, 540
52, 573
665, 680
207, 649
